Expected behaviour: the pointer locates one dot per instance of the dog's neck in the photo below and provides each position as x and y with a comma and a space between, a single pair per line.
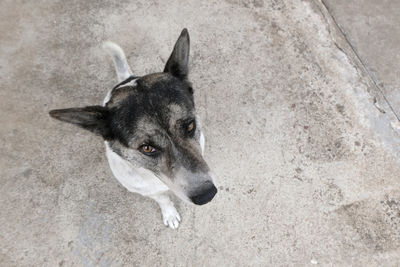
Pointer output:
120, 91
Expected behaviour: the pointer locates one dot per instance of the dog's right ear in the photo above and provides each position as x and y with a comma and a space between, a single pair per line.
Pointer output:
92, 118
178, 62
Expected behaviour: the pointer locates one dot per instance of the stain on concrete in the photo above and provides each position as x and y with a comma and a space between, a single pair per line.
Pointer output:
375, 222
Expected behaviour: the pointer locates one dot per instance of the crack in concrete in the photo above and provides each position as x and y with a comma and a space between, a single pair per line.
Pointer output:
354, 50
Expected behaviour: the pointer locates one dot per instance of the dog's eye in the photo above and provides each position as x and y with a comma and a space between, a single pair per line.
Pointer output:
191, 128
147, 149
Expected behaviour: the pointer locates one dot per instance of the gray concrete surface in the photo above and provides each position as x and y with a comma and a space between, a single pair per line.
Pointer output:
307, 164
372, 28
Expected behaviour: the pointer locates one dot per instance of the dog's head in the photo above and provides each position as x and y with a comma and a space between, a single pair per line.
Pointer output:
153, 124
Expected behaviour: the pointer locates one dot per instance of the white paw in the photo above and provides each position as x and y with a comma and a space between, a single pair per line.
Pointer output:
171, 217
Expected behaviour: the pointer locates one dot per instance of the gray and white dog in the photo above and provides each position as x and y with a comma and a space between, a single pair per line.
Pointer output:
152, 133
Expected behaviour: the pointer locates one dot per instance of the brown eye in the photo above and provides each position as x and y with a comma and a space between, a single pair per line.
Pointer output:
191, 128
147, 149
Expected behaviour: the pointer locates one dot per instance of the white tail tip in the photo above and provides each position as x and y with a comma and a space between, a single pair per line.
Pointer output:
121, 65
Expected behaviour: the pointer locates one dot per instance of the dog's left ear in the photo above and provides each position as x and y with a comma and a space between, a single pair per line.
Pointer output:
178, 62
92, 118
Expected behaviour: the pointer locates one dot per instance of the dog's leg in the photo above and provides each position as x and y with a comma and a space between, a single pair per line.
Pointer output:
170, 215
121, 65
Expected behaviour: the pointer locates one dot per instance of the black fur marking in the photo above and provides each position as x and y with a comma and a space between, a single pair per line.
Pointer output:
178, 62
119, 94
153, 94
92, 118
125, 82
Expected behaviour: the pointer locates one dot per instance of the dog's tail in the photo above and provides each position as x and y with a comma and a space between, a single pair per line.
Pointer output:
121, 65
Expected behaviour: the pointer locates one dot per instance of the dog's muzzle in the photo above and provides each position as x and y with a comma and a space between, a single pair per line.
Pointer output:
205, 196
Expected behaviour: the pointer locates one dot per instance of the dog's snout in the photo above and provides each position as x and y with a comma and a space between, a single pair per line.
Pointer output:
205, 196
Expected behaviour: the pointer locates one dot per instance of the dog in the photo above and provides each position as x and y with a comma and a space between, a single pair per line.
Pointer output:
152, 134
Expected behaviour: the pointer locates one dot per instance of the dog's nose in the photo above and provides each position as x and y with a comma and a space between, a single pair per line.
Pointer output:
205, 196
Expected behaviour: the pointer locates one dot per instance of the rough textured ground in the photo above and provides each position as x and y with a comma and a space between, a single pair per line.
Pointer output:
372, 28
305, 158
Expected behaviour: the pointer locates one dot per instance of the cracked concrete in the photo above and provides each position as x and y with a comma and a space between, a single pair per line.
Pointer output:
307, 165
369, 26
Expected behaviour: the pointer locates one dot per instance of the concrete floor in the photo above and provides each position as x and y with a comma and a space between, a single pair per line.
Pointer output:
372, 29
304, 146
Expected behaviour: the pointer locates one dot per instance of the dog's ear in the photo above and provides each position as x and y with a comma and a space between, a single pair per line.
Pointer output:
92, 118
178, 62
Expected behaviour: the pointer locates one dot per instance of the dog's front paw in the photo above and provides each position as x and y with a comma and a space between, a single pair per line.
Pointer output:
171, 217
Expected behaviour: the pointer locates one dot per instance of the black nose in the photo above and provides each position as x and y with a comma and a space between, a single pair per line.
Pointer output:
205, 196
